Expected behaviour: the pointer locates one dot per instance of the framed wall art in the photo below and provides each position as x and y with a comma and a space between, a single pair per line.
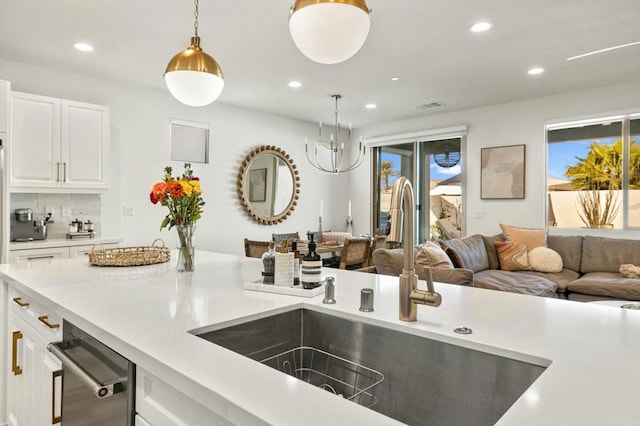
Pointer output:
502, 172
258, 185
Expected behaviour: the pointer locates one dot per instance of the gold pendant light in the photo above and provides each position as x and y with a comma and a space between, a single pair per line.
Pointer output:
193, 77
329, 31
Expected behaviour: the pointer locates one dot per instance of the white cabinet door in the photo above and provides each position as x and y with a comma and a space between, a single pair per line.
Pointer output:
39, 255
35, 141
22, 384
50, 383
85, 145
5, 87
58, 144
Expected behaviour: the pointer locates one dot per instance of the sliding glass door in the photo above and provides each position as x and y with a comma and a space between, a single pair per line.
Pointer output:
434, 169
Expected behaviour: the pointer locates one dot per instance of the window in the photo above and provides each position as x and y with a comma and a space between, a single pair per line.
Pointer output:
189, 141
593, 171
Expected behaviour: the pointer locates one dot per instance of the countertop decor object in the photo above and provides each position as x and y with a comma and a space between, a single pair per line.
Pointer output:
157, 252
183, 197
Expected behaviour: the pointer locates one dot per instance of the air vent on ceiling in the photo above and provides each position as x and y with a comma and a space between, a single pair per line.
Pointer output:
430, 105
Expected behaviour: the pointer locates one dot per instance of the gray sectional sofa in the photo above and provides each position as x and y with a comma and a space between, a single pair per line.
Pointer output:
590, 267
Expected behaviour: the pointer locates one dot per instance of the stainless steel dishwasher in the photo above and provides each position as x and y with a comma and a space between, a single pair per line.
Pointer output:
98, 386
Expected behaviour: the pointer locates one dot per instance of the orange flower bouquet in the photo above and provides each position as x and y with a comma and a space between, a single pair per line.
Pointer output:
183, 197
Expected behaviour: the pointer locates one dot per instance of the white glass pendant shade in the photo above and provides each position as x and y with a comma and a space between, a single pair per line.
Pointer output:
331, 32
193, 77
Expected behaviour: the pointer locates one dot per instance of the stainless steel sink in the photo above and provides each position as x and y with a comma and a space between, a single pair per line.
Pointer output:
426, 382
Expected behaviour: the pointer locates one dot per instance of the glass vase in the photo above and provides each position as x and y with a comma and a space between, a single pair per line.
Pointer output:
186, 249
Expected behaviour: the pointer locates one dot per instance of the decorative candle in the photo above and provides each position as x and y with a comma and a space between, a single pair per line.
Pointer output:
349, 208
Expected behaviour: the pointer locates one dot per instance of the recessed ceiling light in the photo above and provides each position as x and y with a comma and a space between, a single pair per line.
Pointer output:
295, 84
535, 71
84, 47
479, 27
395, 78
371, 106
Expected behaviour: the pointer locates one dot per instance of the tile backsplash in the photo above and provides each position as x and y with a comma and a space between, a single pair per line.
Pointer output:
66, 208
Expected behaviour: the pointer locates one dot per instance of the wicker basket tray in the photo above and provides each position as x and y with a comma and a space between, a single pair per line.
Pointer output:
129, 256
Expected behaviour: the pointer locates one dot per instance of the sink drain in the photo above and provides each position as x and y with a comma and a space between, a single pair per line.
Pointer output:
463, 330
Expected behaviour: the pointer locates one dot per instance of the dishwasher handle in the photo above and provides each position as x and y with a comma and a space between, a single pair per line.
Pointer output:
100, 390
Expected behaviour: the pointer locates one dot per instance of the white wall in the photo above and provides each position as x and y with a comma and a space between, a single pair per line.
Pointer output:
507, 124
140, 125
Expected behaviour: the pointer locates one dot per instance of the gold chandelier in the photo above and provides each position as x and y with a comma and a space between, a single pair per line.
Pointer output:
193, 77
335, 148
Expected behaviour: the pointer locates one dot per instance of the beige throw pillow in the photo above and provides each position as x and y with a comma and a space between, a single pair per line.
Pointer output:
532, 238
513, 255
544, 259
431, 254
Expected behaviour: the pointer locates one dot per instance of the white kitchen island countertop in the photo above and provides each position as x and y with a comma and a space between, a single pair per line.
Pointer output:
592, 351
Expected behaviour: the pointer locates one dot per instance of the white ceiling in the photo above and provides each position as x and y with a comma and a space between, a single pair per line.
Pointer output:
424, 42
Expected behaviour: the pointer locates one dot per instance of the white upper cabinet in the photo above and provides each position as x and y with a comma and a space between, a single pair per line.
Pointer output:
4, 106
58, 144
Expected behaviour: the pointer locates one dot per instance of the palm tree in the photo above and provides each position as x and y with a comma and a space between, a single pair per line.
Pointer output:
386, 171
602, 169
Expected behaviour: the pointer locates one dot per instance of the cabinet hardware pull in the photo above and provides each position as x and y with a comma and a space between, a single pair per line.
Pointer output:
15, 368
64, 174
20, 303
58, 171
45, 320
55, 419
40, 257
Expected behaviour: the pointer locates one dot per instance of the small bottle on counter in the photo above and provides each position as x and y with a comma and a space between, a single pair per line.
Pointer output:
296, 263
311, 266
268, 264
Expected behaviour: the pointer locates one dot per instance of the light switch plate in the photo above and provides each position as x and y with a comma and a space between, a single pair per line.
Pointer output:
128, 211
66, 211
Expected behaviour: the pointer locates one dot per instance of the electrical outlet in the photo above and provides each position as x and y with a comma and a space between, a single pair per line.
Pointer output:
49, 210
128, 211
66, 211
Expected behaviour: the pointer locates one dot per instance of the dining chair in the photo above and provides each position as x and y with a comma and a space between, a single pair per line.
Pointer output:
255, 248
355, 253
277, 238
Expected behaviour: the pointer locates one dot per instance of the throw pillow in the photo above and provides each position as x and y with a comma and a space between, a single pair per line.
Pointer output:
532, 238
431, 254
512, 255
544, 259
629, 270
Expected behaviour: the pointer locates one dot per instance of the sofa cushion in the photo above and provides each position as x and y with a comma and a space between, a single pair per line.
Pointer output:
532, 237
609, 284
513, 255
462, 277
600, 254
470, 250
570, 249
390, 261
492, 254
515, 282
431, 254
562, 279
544, 259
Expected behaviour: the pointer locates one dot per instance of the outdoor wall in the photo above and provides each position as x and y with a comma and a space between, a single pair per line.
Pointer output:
500, 125
140, 149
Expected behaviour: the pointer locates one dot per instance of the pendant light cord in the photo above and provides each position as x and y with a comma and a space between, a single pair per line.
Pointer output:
195, 14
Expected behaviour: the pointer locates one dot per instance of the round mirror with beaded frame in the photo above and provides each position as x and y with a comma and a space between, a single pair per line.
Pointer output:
268, 185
